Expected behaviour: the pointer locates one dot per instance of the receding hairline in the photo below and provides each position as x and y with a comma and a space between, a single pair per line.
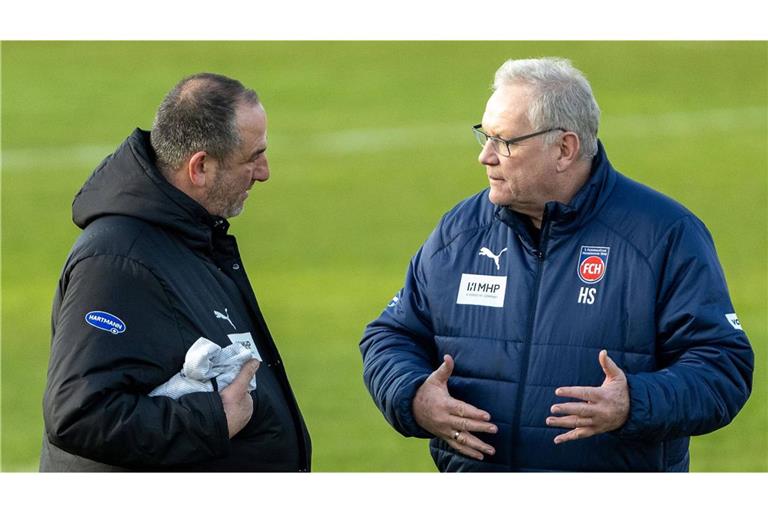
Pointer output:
529, 88
516, 81
504, 107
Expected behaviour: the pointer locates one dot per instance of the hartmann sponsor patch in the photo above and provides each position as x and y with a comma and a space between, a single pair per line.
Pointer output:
482, 290
593, 262
105, 321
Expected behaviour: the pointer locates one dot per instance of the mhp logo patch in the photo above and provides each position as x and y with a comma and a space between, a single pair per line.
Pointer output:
592, 263
105, 321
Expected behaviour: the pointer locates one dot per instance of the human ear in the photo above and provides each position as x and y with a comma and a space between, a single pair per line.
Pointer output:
196, 168
569, 149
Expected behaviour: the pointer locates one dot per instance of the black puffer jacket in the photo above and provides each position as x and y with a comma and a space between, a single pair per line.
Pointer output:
151, 273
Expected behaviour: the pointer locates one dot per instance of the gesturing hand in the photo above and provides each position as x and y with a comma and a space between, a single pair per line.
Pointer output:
604, 408
237, 401
450, 419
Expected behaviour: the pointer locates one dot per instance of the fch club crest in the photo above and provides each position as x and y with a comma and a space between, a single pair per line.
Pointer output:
593, 262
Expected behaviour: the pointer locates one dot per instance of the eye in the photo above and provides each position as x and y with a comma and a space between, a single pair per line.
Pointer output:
257, 156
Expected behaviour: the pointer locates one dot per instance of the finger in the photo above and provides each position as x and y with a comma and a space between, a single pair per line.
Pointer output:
469, 442
583, 409
610, 368
585, 393
444, 370
246, 374
467, 439
465, 410
573, 435
569, 421
469, 425
465, 450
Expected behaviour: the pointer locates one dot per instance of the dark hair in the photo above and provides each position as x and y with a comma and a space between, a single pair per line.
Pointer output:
198, 114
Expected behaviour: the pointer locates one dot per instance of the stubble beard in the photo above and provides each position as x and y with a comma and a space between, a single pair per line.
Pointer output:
221, 203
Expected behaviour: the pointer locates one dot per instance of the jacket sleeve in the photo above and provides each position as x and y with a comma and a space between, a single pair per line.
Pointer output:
704, 357
96, 404
399, 352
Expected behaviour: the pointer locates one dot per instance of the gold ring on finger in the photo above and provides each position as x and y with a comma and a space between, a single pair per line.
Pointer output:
456, 435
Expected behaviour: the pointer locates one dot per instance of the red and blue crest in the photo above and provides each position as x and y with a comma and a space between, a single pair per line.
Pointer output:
593, 262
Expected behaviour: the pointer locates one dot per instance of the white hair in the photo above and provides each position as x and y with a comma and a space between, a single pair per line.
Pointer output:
562, 98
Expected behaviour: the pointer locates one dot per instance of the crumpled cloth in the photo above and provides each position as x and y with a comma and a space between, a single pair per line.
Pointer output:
205, 361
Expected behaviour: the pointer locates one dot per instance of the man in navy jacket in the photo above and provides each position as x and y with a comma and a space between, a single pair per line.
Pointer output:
567, 318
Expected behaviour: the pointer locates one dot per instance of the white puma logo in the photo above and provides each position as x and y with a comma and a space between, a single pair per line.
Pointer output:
224, 317
487, 252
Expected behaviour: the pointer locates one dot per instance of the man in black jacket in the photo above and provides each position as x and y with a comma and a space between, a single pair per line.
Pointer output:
154, 271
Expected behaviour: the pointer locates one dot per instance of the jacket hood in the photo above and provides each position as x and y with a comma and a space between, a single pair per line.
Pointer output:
129, 183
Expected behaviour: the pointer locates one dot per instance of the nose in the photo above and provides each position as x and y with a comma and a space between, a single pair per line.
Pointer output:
261, 172
487, 155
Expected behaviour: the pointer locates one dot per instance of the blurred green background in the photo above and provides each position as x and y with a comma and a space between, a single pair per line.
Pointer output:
369, 144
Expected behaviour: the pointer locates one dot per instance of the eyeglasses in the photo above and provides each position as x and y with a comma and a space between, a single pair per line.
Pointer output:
501, 146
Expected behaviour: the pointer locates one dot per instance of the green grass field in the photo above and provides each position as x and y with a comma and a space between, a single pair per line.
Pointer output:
370, 144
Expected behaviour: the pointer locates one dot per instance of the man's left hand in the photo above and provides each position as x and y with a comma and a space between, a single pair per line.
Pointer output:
602, 409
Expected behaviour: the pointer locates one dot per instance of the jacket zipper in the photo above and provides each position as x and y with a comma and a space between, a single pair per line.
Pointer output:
539, 254
246, 291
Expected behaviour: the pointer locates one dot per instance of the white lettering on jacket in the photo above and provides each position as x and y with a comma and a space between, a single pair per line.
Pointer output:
482, 290
246, 340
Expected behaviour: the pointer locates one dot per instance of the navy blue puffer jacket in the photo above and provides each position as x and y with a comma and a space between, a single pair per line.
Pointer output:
621, 267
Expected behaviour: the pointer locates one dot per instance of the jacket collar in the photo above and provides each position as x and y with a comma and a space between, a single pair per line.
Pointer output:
129, 183
561, 219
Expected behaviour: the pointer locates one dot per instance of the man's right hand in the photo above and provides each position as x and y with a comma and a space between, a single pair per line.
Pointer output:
237, 401
452, 420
